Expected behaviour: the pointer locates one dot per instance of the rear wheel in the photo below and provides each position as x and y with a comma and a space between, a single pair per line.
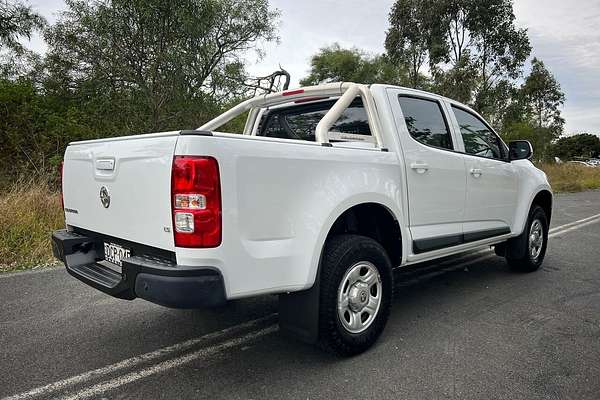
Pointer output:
355, 294
526, 252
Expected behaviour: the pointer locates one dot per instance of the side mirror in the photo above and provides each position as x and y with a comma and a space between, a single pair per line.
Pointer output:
519, 150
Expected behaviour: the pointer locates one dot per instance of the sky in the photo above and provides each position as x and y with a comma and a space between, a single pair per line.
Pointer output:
564, 34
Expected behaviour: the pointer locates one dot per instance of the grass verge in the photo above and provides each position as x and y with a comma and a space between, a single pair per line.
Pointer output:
571, 177
29, 212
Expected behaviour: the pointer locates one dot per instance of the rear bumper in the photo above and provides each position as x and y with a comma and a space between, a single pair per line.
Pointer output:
157, 280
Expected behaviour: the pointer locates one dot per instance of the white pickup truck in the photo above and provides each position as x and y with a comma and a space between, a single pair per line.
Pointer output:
328, 189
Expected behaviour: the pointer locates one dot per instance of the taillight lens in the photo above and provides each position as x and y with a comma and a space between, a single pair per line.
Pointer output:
196, 201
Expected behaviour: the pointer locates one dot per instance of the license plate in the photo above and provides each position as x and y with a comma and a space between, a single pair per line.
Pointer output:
115, 254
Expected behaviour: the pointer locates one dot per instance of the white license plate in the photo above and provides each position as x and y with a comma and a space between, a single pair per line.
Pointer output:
115, 254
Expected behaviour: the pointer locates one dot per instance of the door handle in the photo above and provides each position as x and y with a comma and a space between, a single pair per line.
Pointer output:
420, 167
476, 172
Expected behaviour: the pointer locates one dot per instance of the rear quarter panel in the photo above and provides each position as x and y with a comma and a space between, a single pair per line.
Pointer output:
279, 200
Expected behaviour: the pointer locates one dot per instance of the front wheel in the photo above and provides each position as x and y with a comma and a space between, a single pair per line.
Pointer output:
533, 242
355, 294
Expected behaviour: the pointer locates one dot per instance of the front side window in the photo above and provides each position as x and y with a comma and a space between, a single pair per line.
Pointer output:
425, 121
478, 138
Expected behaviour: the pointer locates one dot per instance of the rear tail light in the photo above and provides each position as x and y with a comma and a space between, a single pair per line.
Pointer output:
196, 201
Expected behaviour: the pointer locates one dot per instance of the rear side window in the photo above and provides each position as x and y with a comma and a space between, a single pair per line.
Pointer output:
478, 138
300, 122
425, 121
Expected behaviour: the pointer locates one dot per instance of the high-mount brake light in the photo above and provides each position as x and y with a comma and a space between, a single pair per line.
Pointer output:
292, 92
196, 201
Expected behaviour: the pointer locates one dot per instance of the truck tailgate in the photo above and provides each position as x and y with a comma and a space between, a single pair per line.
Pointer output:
121, 188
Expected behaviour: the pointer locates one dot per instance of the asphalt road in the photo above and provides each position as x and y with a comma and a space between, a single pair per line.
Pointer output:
468, 328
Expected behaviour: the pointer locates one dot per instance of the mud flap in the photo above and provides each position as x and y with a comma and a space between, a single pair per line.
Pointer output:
500, 249
516, 248
299, 314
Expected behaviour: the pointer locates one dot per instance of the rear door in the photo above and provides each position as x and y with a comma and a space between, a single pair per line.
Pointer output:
492, 182
435, 173
122, 188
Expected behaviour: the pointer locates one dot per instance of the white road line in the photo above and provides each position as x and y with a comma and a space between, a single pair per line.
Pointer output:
177, 361
136, 360
572, 228
169, 364
580, 221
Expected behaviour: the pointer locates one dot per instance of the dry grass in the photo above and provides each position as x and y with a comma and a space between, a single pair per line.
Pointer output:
29, 212
572, 178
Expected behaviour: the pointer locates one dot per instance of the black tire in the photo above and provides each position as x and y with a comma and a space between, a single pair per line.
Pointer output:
518, 253
342, 254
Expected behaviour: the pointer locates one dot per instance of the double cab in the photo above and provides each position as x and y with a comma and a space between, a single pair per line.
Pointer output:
326, 191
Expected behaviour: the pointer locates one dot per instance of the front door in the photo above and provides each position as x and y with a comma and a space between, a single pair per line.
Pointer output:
435, 173
491, 180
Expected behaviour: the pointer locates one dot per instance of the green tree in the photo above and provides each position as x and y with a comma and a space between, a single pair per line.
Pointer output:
533, 112
480, 35
456, 83
35, 129
117, 67
543, 97
336, 64
472, 46
584, 145
156, 59
540, 138
408, 38
500, 48
16, 21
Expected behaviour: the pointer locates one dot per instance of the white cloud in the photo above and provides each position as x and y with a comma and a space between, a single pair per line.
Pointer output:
565, 36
